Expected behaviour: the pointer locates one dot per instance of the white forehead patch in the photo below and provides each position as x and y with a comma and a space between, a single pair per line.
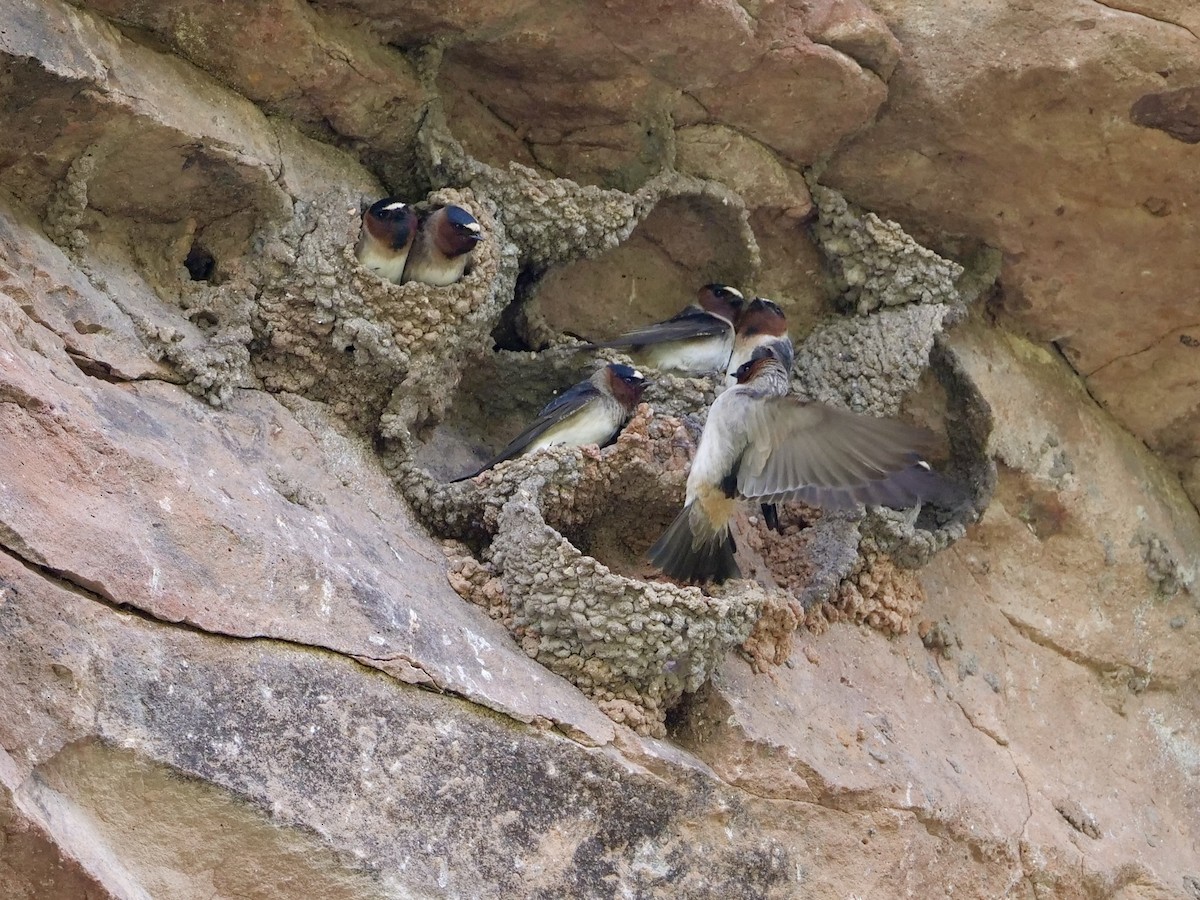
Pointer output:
393, 206
471, 226
637, 374
736, 293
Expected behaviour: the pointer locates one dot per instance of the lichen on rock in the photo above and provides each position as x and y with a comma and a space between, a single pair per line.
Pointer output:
1162, 568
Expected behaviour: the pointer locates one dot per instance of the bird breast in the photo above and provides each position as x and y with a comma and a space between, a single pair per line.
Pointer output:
707, 354
435, 269
724, 438
384, 261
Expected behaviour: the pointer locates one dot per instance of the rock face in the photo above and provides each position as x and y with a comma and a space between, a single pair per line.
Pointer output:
243, 618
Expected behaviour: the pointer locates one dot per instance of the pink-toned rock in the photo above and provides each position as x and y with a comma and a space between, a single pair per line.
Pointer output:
418, 22
223, 634
1014, 125
555, 86
857, 31
800, 100
688, 44
1156, 393
754, 172
1047, 630
328, 78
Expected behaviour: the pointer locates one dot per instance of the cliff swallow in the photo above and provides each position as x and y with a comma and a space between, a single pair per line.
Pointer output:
591, 412
386, 235
760, 444
443, 247
761, 322
696, 340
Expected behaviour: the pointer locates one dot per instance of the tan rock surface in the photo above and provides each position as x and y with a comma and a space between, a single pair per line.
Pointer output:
226, 636
1013, 125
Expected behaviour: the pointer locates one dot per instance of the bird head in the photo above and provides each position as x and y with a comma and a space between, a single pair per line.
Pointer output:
455, 231
762, 316
777, 354
721, 300
391, 221
626, 384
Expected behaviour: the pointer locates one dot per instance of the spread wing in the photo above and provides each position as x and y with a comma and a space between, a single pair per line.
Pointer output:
833, 458
562, 407
693, 322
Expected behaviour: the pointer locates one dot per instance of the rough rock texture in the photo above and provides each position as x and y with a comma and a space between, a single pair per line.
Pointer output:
1057, 133
226, 632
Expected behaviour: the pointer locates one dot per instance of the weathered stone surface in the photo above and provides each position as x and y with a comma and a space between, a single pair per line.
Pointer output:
223, 634
748, 167
1065, 644
592, 92
333, 81
1046, 631
1014, 125
327, 779
231, 521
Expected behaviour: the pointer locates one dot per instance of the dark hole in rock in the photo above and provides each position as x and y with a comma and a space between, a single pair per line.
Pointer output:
200, 263
677, 715
206, 319
691, 721
507, 333
511, 332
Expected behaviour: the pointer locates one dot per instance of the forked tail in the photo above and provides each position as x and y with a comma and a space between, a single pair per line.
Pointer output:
692, 549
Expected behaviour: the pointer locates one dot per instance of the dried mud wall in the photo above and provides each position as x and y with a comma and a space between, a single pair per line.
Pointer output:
243, 615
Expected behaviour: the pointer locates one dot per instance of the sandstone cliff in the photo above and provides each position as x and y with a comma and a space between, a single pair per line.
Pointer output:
252, 646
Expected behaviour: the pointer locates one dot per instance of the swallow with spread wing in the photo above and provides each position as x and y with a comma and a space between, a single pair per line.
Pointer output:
760, 444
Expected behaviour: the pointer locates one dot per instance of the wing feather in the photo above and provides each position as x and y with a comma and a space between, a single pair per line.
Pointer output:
832, 458
555, 412
690, 324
